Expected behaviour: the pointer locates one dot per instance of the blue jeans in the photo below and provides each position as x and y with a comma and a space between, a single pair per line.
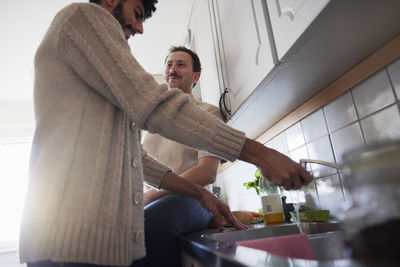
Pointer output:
166, 219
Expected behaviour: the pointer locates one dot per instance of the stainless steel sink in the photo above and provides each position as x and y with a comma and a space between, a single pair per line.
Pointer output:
328, 246
261, 231
325, 237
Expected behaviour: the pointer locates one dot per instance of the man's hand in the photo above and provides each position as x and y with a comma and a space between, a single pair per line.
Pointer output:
203, 173
220, 210
274, 166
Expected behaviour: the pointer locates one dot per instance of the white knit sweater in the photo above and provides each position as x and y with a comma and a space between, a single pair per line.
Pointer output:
173, 154
84, 199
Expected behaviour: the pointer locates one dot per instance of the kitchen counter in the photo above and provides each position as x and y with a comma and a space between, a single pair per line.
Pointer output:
210, 252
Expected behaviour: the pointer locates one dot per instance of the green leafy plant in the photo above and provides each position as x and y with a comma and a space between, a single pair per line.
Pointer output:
260, 184
254, 184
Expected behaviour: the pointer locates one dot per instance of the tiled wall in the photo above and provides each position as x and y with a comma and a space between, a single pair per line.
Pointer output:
367, 113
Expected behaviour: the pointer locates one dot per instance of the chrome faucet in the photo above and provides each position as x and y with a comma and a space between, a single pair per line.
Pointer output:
303, 163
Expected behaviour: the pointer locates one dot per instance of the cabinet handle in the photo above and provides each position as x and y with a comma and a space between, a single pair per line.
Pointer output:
223, 107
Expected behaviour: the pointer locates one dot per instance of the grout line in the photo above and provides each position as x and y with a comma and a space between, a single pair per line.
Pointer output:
358, 117
396, 97
327, 175
329, 135
342, 187
363, 118
378, 111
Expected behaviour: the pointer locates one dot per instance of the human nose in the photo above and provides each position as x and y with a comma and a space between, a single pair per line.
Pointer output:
172, 69
139, 27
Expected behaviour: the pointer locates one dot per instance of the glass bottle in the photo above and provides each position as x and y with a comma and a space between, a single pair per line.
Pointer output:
271, 202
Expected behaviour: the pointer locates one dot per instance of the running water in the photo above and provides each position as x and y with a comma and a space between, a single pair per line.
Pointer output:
296, 208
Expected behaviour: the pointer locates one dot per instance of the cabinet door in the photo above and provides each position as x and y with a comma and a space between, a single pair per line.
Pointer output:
243, 46
200, 39
290, 18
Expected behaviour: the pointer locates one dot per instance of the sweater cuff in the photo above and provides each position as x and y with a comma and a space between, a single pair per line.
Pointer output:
228, 142
153, 171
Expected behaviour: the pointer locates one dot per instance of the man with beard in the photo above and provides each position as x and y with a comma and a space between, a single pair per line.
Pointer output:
84, 202
168, 216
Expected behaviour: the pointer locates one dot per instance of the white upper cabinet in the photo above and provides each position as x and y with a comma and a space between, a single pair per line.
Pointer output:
238, 42
290, 18
243, 49
200, 39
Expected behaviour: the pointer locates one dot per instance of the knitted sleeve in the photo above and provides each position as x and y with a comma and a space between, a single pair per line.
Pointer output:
153, 170
92, 42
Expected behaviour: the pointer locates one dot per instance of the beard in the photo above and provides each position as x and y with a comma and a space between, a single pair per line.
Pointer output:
119, 15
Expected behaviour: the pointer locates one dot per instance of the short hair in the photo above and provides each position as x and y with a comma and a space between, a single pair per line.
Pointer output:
195, 57
149, 6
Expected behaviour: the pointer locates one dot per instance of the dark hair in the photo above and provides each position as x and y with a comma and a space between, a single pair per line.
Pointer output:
195, 57
149, 6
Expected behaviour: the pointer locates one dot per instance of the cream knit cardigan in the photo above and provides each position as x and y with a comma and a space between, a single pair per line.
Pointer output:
173, 154
84, 199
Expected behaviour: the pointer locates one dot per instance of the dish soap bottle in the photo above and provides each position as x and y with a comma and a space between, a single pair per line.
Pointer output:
271, 202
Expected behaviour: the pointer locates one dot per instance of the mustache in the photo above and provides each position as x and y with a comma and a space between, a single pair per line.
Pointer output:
130, 28
174, 75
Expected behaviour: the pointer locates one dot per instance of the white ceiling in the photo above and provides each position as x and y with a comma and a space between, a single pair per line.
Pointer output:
24, 22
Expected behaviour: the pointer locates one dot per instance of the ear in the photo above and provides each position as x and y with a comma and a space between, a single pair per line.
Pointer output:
196, 77
109, 4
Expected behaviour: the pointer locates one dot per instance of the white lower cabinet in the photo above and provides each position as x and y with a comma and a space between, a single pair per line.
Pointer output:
290, 18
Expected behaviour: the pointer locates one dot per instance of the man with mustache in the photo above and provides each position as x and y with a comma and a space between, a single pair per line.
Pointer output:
168, 216
84, 201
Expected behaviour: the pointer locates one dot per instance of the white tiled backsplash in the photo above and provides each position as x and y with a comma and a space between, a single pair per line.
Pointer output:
367, 113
